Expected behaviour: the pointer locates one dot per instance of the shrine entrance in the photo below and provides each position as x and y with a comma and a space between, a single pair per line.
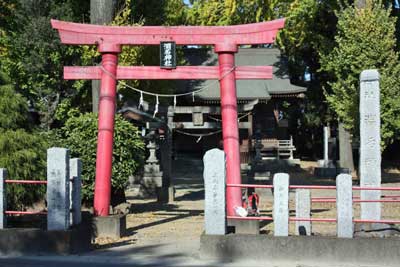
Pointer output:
109, 40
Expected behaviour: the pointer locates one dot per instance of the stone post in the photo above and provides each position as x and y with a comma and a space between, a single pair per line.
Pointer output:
75, 170
303, 210
370, 138
345, 149
344, 206
281, 204
215, 186
3, 198
326, 146
58, 189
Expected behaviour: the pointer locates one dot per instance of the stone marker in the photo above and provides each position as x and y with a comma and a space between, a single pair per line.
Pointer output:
345, 149
326, 146
344, 206
214, 184
3, 198
370, 150
281, 204
58, 189
303, 210
75, 170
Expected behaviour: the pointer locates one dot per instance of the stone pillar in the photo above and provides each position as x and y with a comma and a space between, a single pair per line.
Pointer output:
345, 149
326, 147
281, 204
3, 198
75, 170
344, 206
303, 210
215, 186
370, 138
58, 189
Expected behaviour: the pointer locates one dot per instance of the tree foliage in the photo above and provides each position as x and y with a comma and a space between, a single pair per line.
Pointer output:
365, 40
79, 134
230, 12
34, 57
22, 151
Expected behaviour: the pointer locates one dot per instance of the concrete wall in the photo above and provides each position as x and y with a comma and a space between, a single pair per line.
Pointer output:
302, 249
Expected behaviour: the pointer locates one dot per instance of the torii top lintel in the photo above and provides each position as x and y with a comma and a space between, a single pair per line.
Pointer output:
224, 38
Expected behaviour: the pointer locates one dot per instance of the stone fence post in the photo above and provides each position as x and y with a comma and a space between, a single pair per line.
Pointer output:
3, 198
344, 205
58, 179
215, 188
281, 204
75, 170
303, 210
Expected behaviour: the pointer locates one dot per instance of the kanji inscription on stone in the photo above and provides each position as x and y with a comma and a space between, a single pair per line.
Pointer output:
58, 203
214, 184
281, 204
370, 150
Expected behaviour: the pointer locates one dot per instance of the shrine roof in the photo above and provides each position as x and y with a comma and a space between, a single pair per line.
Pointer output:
246, 89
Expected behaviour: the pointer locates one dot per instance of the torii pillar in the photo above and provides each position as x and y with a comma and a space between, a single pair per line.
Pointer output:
230, 128
107, 106
225, 40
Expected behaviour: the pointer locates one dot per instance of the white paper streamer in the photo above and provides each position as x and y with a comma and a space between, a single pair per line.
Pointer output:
174, 101
141, 100
156, 109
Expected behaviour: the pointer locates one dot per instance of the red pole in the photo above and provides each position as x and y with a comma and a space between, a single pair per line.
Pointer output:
102, 189
230, 129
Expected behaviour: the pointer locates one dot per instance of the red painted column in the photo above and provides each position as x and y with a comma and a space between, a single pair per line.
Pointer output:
230, 129
107, 101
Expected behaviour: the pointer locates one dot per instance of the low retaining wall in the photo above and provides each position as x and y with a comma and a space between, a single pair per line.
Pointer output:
14, 241
301, 249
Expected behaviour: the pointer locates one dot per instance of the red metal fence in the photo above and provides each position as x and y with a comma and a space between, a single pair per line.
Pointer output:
34, 182
392, 199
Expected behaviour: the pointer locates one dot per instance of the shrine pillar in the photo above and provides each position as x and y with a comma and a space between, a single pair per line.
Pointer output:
230, 128
107, 105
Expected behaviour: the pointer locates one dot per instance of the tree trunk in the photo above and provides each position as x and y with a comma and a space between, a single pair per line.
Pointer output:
345, 149
101, 12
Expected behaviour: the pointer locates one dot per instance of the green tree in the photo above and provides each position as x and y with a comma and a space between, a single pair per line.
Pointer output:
309, 30
79, 134
34, 58
365, 40
22, 151
231, 12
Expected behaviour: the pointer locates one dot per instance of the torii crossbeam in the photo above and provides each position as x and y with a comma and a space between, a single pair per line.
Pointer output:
109, 40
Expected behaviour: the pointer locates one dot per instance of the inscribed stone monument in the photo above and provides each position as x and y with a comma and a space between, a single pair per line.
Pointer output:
281, 204
214, 184
58, 189
370, 150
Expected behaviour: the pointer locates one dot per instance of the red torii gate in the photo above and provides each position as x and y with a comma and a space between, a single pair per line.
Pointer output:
109, 40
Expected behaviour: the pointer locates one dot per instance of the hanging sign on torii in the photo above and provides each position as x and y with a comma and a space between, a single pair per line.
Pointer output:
109, 40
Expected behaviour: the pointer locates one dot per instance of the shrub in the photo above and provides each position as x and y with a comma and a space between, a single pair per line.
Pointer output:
80, 135
23, 154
